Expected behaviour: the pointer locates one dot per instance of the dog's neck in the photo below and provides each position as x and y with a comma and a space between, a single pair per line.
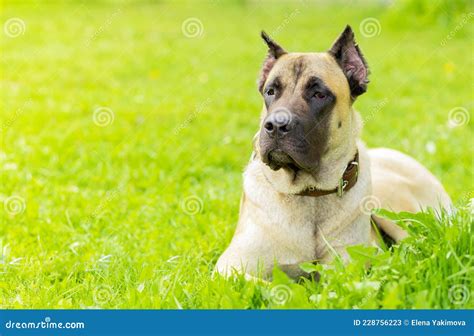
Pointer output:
346, 182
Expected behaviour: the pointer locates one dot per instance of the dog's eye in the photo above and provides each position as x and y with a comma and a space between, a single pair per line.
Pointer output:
319, 95
271, 92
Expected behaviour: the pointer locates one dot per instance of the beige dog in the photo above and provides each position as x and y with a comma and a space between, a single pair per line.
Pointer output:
310, 180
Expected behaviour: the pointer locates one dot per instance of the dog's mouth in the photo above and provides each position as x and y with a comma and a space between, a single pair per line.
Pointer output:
277, 159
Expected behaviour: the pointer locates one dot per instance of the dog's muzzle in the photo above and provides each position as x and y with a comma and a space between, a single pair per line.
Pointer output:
277, 159
278, 123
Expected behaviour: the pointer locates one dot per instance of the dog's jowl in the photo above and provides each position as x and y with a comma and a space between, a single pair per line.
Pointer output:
311, 183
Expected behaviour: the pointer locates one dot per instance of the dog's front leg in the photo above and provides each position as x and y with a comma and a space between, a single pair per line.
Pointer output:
247, 254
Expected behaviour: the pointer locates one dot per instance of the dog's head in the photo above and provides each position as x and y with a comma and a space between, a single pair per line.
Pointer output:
308, 100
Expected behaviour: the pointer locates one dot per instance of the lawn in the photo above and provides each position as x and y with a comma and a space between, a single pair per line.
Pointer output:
125, 129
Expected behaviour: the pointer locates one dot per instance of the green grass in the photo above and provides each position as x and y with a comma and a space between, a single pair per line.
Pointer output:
108, 219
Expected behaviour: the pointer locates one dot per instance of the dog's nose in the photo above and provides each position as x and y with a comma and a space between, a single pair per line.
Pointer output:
278, 123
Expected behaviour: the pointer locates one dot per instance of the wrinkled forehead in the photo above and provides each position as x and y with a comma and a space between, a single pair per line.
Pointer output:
294, 69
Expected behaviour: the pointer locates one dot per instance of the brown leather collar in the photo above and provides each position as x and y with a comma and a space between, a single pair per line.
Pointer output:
348, 180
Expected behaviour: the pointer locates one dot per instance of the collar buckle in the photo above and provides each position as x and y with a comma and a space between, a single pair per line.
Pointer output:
341, 186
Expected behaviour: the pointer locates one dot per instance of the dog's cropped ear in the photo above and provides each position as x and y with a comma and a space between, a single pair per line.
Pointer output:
274, 52
349, 57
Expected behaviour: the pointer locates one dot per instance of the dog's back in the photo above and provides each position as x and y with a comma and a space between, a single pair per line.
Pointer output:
400, 183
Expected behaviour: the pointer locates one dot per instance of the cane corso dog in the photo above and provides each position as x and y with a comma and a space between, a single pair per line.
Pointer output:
311, 182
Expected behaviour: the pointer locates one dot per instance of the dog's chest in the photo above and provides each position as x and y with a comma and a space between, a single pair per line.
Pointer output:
296, 228
292, 223
300, 218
